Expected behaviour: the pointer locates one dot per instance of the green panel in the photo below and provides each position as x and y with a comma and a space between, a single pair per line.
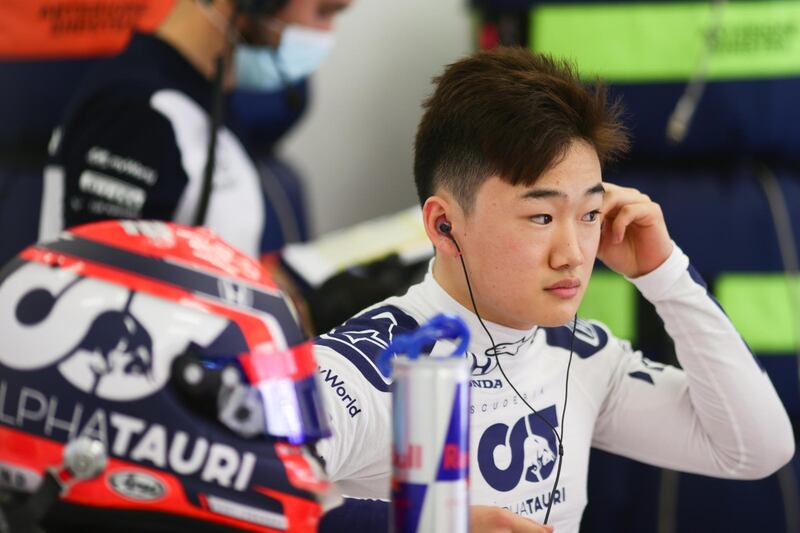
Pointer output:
611, 299
641, 42
760, 307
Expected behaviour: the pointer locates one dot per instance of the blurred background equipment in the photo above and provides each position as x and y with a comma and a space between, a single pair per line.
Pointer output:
347, 270
709, 89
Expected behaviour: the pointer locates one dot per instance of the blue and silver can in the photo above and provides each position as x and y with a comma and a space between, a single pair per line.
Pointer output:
430, 441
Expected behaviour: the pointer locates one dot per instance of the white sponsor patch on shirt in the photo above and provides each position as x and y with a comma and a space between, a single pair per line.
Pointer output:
112, 189
105, 159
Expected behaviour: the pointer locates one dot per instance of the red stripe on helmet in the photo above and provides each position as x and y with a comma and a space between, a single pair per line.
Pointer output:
255, 330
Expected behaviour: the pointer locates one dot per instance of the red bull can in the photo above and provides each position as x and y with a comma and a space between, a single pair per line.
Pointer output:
430, 440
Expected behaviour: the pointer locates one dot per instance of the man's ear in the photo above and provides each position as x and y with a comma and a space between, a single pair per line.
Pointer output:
438, 210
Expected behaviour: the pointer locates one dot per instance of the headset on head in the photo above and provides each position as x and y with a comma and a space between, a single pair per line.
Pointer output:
256, 7
259, 7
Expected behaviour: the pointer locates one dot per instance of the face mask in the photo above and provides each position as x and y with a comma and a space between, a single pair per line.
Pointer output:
299, 54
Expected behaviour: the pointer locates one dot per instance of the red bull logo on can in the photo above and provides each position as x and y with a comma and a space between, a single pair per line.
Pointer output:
409, 459
454, 462
430, 419
454, 458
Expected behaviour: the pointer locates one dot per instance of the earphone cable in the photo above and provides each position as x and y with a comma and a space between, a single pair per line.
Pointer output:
499, 366
563, 418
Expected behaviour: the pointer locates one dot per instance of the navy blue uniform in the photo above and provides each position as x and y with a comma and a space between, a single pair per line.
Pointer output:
134, 145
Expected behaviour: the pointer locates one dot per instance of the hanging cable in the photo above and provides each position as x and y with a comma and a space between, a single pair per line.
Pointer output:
217, 112
682, 114
784, 233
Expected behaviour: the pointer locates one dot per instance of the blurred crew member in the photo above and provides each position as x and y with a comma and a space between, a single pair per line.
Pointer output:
136, 142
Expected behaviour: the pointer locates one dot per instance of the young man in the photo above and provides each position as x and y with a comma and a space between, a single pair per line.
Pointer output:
508, 167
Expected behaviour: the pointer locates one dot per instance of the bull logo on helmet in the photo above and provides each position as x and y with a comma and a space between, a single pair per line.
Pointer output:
105, 339
116, 343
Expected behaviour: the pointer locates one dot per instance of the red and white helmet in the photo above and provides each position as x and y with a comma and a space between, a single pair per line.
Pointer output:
181, 358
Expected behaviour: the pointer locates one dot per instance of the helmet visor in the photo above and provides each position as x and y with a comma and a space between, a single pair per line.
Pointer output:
287, 385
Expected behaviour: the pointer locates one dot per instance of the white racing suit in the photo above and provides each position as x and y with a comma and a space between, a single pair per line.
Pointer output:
718, 416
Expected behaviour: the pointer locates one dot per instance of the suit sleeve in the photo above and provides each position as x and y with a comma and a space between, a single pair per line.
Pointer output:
115, 157
358, 454
719, 415
357, 515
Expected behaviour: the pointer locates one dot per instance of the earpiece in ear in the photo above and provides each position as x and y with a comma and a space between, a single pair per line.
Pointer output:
446, 229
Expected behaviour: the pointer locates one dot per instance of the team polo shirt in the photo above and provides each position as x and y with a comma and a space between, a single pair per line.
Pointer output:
134, 145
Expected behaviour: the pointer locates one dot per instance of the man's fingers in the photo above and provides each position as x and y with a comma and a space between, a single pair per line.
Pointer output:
634, 239
642, 213
529, 526
523, 525
618, 197
486, 519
